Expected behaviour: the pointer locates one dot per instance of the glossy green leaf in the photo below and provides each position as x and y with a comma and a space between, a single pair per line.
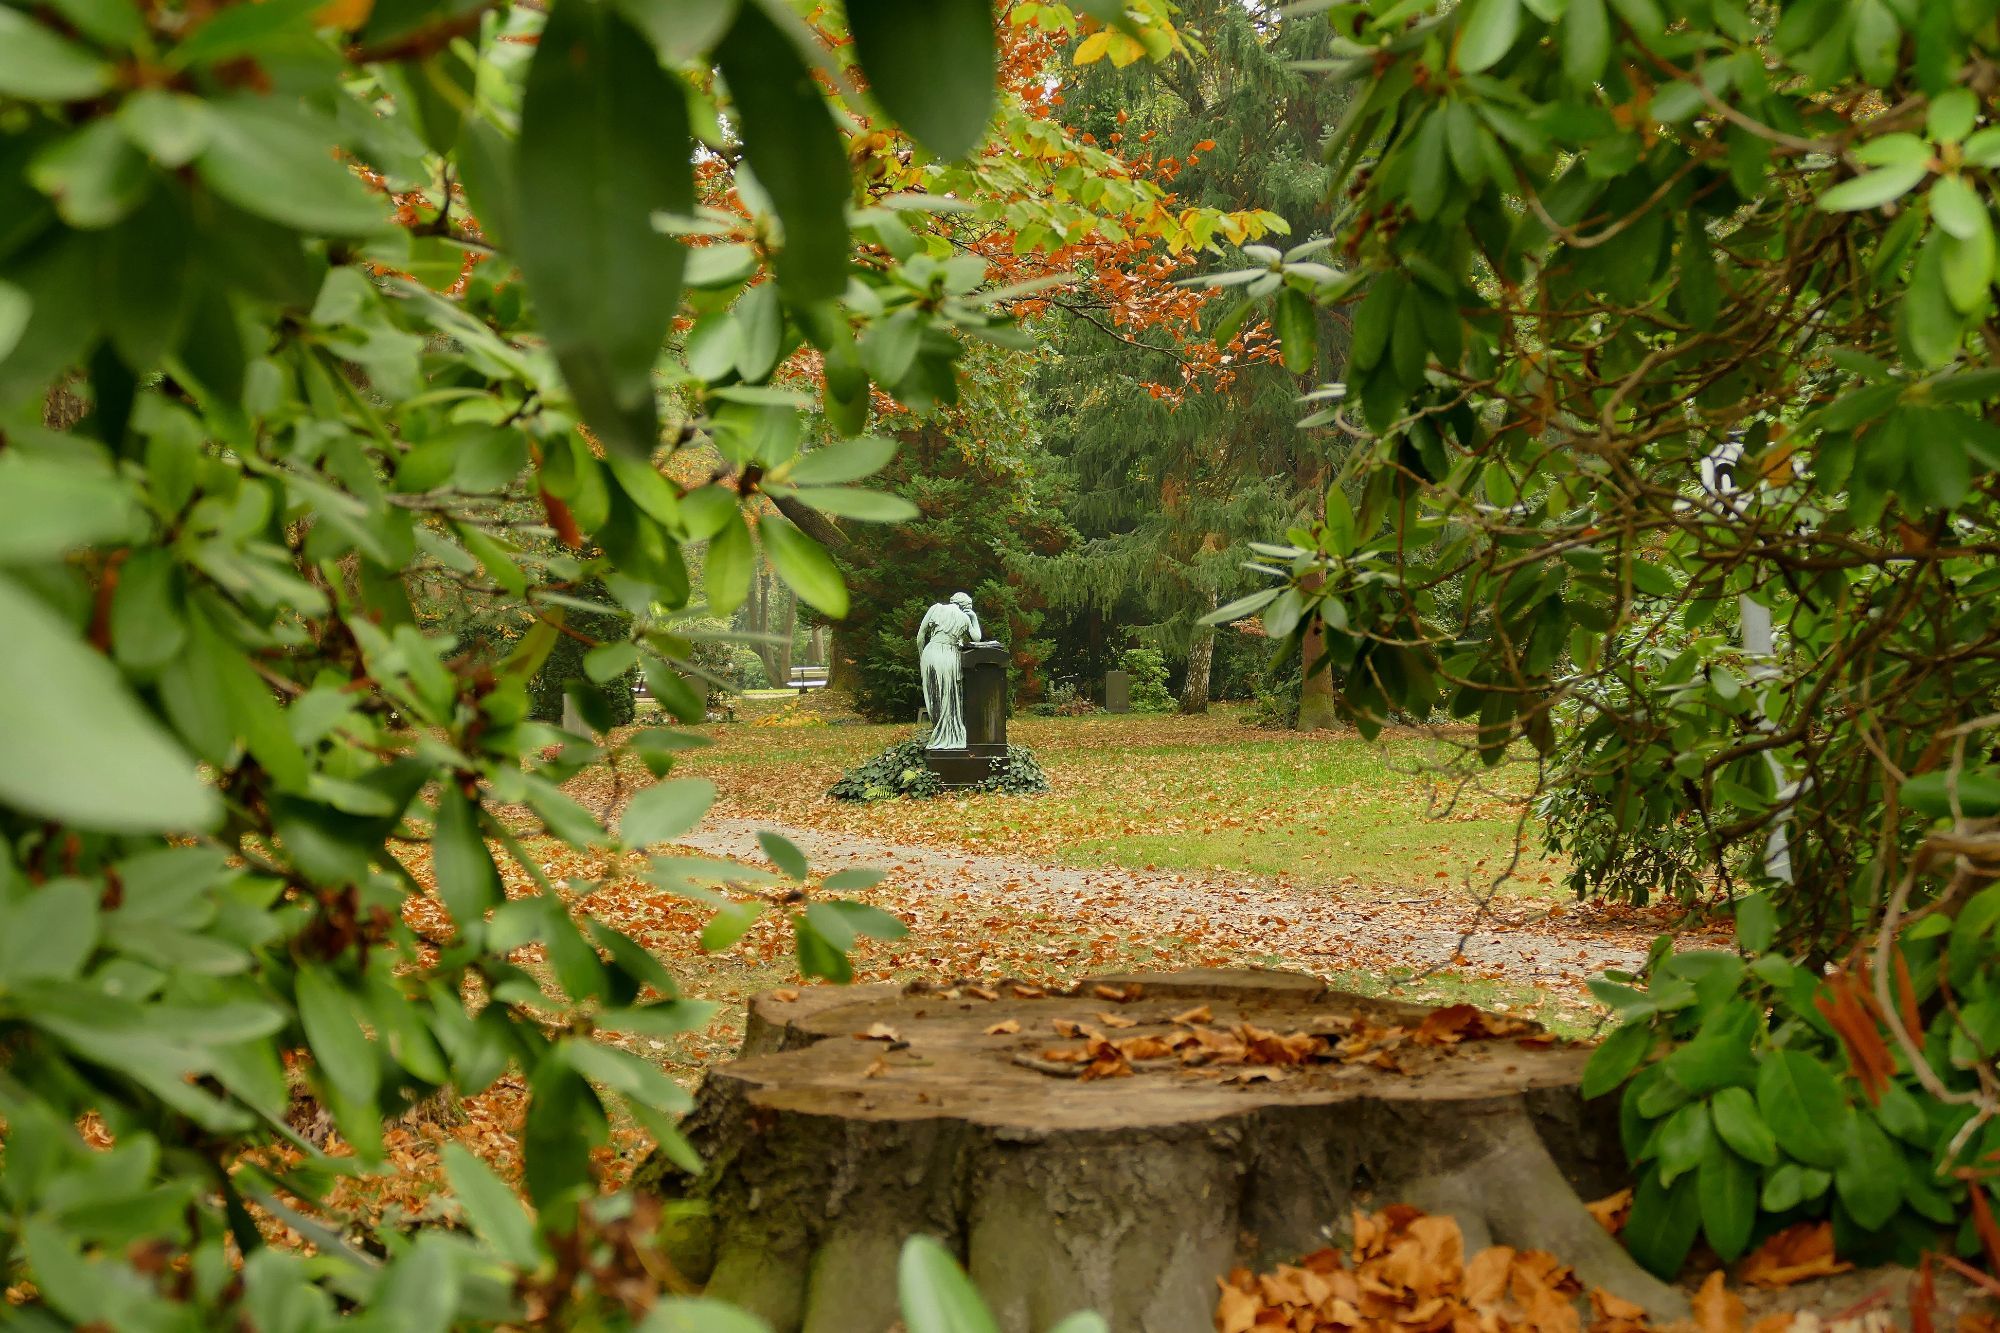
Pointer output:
1968, 265
421, 1286
50, 506
1726, 1187
1741, 1125
1802, 1103
604, 147
1586, 41
49, 933
681, 30
668, 1018
1685, 1139
803, 565
727, 566
784, 854
342, 1051
1486, 29
1662, 1225
936, 1295
1791, 1185
1958, 207
39, 66
1616, 1057
1868, 1176
95, 175
467, 879
932, 65
1975, 791
864, 506
665, 811
1872, 189
1952, 115
842, 461
1756, 923
80, 748
760, 321
280, 166
794, 150
700, 1314
1298, 330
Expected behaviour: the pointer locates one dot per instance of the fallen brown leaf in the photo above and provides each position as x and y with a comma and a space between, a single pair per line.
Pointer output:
1613, 1314
877, 1032
1117, 1020
1006, 1027
1717, 1309
1612, 1210
1144, 1048
1798, 1252
1188, 1017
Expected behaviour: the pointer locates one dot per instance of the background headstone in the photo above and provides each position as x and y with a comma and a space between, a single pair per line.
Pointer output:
1117, 692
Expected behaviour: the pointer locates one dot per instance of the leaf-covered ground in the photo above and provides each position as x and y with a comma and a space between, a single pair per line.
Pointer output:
1167, 842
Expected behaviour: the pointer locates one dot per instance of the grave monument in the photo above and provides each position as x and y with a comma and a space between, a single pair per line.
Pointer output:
965, 693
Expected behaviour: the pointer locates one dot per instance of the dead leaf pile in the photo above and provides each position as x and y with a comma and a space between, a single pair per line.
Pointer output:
1353, 1041
1407, 1272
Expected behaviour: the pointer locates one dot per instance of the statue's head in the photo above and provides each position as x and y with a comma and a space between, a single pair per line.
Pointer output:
962, 600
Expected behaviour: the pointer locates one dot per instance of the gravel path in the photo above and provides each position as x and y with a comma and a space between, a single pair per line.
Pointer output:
1523, 941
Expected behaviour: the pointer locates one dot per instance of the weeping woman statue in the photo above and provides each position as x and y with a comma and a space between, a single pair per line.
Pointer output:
947, 627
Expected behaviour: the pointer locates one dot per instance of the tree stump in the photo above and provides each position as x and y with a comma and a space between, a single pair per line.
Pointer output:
1070, 1174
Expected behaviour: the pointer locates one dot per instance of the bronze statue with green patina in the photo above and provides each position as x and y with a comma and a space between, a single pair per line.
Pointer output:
947, 629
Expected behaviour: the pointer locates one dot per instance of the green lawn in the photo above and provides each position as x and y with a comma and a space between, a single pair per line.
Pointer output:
1200, 795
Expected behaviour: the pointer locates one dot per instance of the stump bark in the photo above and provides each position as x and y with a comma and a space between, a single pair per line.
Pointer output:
1129, 1194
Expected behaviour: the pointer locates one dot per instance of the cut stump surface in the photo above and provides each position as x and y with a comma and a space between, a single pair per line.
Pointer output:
1121, 1147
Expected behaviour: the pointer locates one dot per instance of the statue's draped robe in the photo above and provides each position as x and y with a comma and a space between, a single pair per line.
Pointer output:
944, 631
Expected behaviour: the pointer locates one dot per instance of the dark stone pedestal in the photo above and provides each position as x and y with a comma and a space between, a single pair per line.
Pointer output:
964, 768
983, 672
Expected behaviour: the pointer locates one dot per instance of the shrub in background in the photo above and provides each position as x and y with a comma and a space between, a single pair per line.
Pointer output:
565, 667
1148, 669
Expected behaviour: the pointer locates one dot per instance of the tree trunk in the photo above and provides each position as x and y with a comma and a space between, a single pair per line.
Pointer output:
759, 622
1317, 709
787, 629
1201, 657
967, 1119
843, 661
